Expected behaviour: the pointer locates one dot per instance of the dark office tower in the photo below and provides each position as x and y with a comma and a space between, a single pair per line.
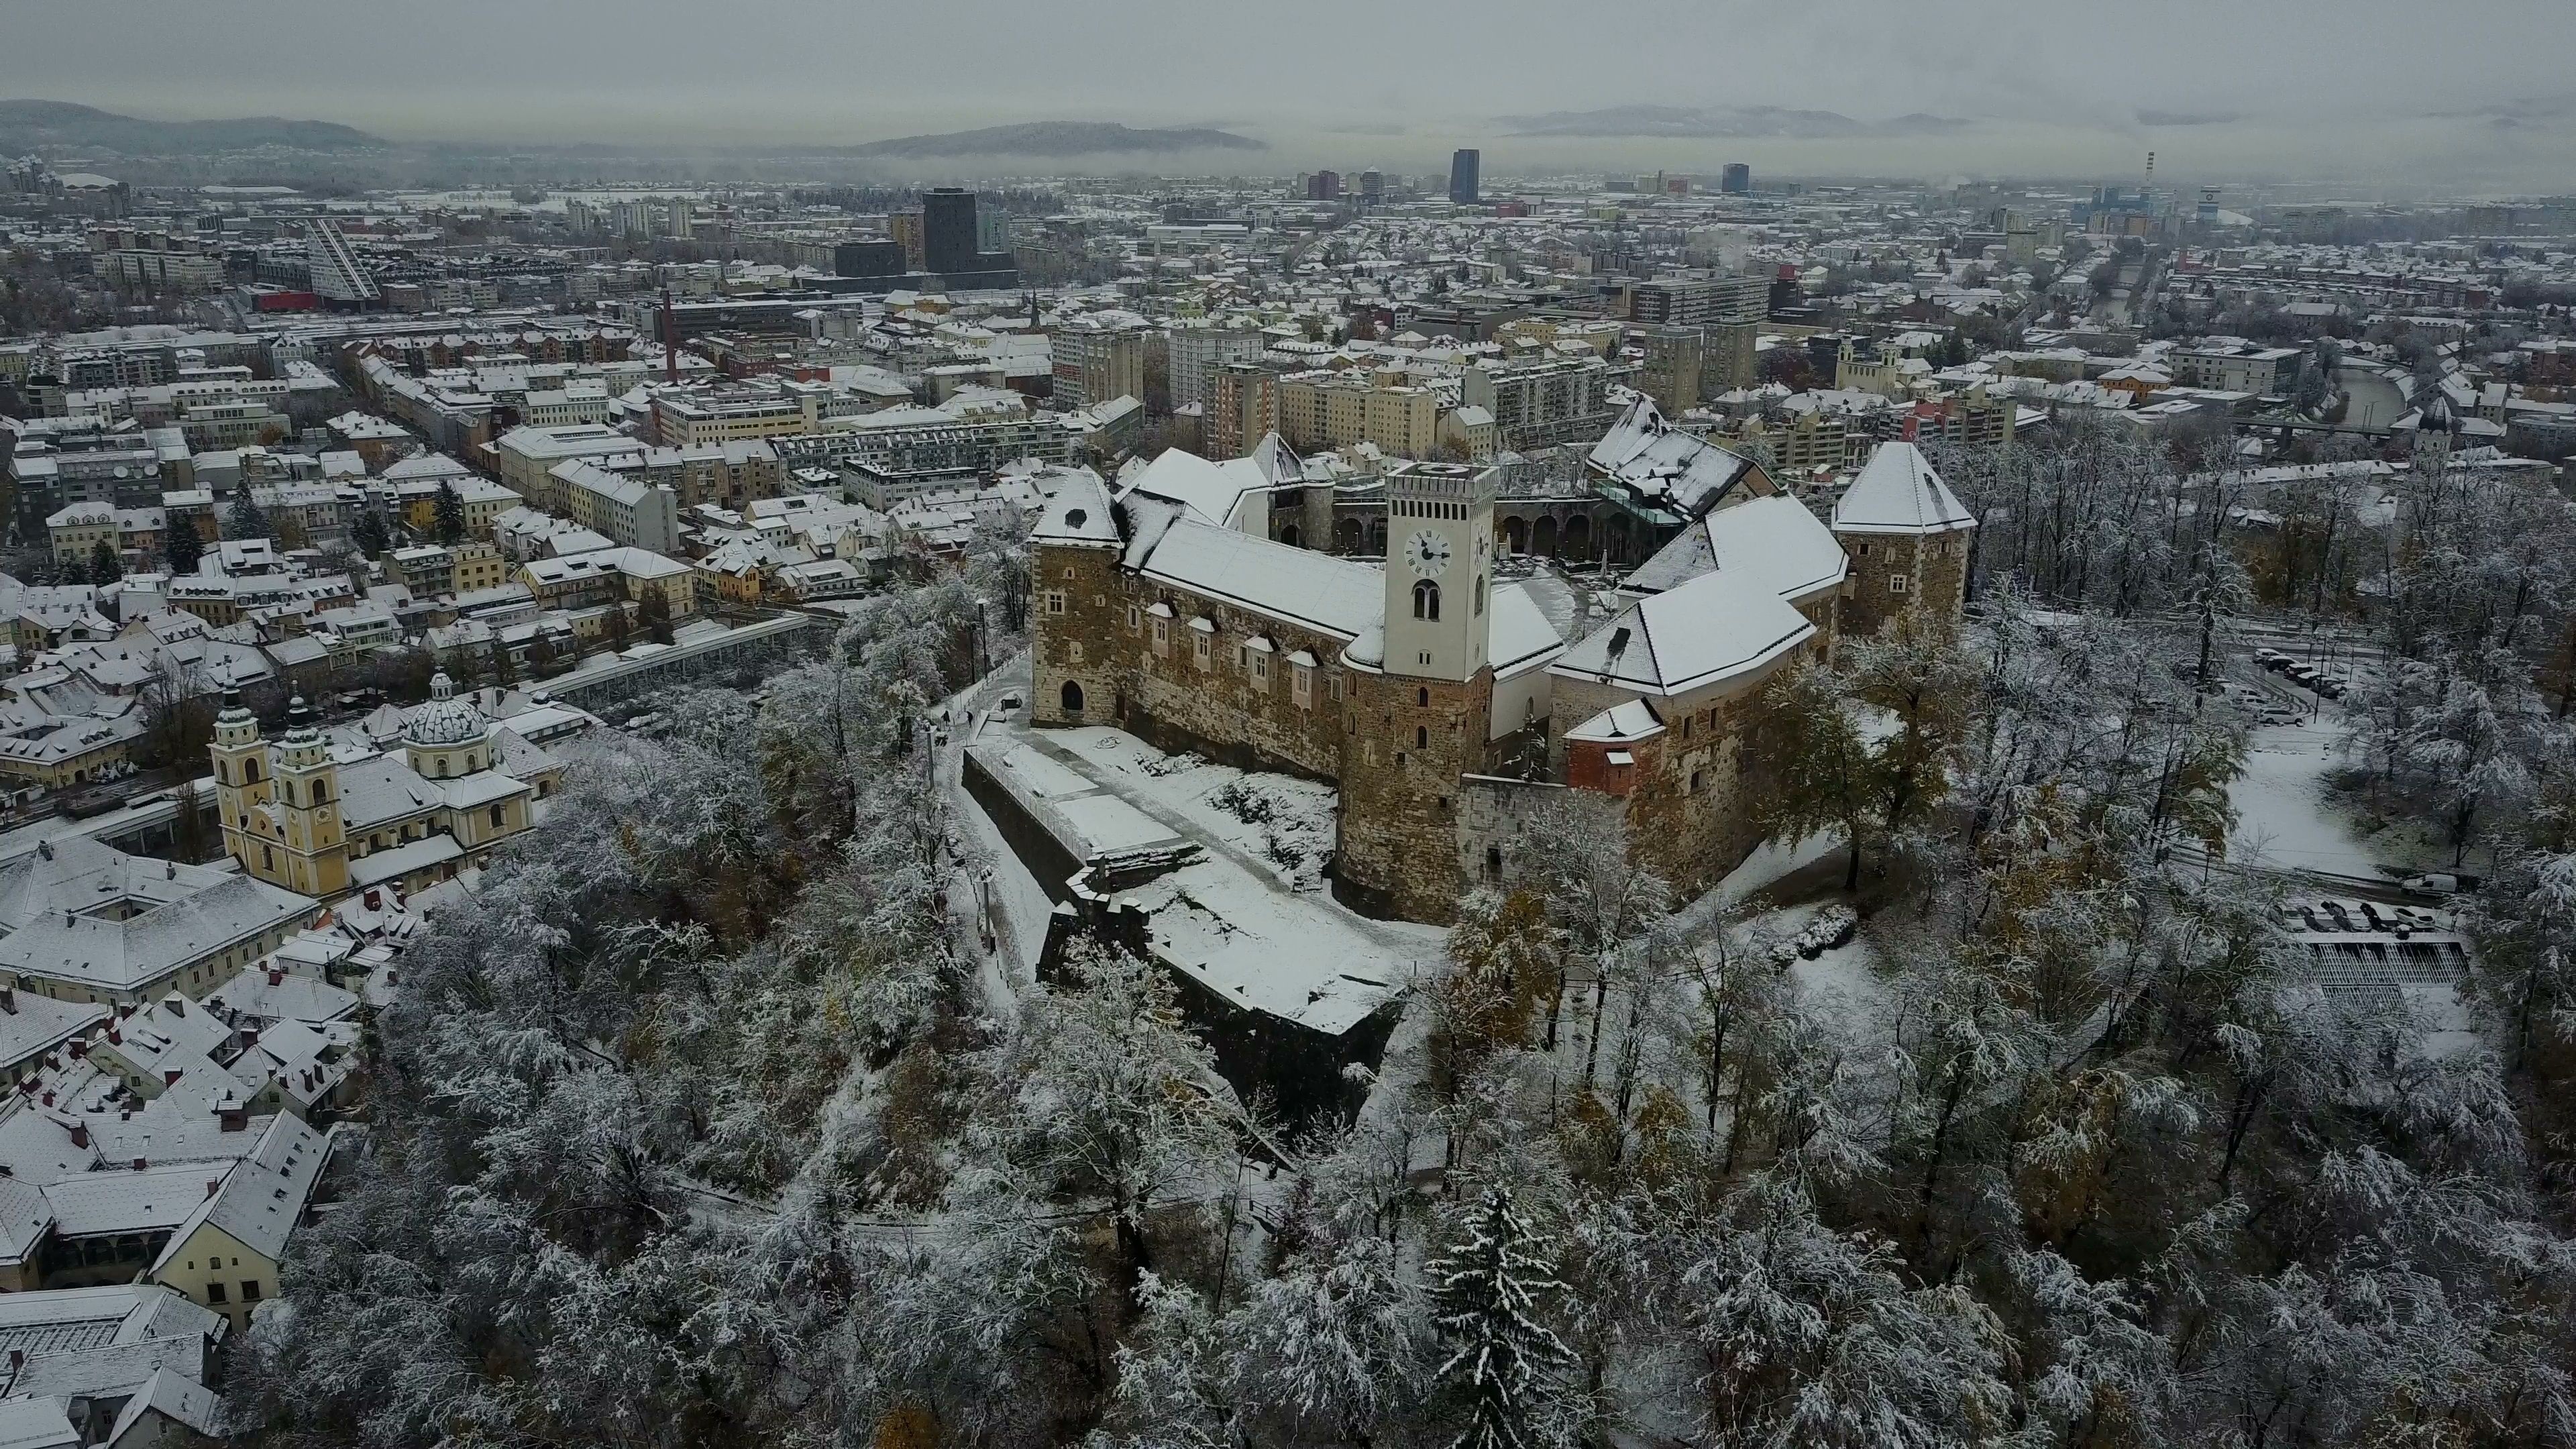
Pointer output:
948, 229
1462, 176
1372, 186
1736, 179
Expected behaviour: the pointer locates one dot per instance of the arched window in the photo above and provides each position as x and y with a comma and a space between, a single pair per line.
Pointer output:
1072, 697
321, 791
1480, 596
1426, 600
250, 771
1422, 737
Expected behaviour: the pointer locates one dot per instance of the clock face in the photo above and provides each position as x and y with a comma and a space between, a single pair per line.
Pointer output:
1428, 553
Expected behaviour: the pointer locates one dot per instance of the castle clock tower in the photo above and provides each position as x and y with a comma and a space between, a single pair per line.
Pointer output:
1419, 716
1439, 569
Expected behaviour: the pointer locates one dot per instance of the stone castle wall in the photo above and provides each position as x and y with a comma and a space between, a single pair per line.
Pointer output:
1934, 567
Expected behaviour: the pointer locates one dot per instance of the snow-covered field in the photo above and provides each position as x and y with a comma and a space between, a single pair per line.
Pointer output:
1278, 819
2285, 814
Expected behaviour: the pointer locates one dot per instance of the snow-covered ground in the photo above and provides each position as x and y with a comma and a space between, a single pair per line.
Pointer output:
1278, 819
2286, 818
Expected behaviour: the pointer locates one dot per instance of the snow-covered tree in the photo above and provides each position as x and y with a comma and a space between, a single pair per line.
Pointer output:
1486, 1292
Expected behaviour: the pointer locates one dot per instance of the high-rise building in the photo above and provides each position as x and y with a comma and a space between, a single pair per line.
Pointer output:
948, 229
338, 276
1324, 186
1673, 362
1463, 177
1736, 179
1095, 364
1372, 186
905, 228
1196, 351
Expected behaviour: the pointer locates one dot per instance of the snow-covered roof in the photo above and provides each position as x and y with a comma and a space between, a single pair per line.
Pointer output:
1665, 467
1215, 492
1773, 540
1077, 512
1898, 492
1719, 626
1522, 639
1297, 585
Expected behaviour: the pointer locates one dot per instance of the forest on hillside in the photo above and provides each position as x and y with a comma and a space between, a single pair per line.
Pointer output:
703, 1125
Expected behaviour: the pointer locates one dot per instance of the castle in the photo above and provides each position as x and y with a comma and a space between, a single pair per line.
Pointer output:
1424, 686
330, 820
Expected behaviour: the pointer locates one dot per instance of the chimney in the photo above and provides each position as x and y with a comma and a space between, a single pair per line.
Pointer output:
249, 1037
276, 977
9, 999
48, 1098
80, 1049
80, 1134
44, 848
114, 1035
169, 1076
212, 1183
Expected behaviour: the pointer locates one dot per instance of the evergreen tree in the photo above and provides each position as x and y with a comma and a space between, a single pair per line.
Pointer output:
1484, 1294
505, 672
615, 624
104, 565
653, 611
449, 520
181, 548
541, 655
246, 519
369, 533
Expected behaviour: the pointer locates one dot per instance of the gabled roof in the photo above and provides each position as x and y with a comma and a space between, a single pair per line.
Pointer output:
264, 1195
1899, 493
1773, 540
1663, 467
1719, 626
1214, 492
1294, 584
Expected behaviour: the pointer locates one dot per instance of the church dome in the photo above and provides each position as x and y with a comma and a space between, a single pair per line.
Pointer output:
445, 720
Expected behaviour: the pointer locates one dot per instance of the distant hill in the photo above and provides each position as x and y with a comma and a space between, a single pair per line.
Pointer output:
1723, 122
1059, 138
58, 125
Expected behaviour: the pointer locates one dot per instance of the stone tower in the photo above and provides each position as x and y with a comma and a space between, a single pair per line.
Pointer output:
1907, 536
314, 850
1421, 698
1439, 567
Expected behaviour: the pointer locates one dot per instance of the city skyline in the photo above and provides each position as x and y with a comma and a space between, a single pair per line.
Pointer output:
1973, 89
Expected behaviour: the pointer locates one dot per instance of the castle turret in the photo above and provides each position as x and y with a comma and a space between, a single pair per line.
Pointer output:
1907, 536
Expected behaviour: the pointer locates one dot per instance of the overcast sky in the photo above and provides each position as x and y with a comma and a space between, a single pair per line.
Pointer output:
2401, 90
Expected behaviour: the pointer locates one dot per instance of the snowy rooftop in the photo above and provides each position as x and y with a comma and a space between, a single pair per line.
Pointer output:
1773, 541
1665, 467
1296, 585
1719, 626
1899, 493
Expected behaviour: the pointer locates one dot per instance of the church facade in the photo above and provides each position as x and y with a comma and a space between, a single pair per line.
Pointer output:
327, 820
1428, 688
